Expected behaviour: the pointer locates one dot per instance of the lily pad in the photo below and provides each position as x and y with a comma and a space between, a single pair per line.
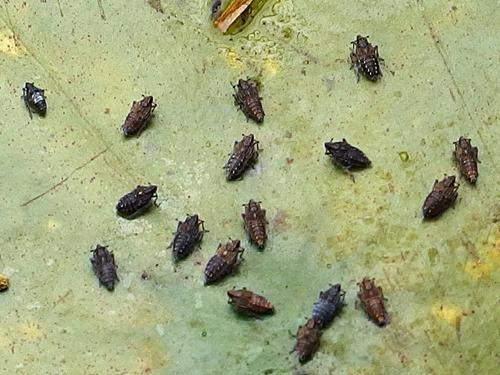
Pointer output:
63, 174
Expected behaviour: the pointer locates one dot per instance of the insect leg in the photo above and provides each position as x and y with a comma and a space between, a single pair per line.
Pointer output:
475, 154
143, 126
376, 54
350, 174
26, 103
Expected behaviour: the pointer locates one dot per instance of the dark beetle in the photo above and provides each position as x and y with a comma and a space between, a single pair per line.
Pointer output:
249, 303
225, 260
34, 98
255, 223
346, 156
328, 305
307, 342
136, 202
372, 301
365, 58
443, 195
138, 117
466, 157
247, 98
244, 155
103, 262
187, 235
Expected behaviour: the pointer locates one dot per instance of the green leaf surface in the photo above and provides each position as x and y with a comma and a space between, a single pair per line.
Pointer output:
61, 176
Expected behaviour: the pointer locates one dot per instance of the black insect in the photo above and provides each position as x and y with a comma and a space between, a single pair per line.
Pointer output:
328, 305
215, 9
466, 157
443, 195
244, 155
226, 259
188, 234
247, 98
136, 202
307, 341
346, 156
34, 99
365, 58
138, 117
103, 263
255, 221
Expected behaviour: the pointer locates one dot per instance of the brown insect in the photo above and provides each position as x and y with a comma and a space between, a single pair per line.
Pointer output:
307, 342
249, 303
372, 301
365, 58
247, 98
244, 155
466, 157
4, 283
138, 117
255, 223
227, 258
443, 195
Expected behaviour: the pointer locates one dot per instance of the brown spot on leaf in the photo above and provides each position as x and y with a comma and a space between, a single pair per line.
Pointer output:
279, 221
156, 5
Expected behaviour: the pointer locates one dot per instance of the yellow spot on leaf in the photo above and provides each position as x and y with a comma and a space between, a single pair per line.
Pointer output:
52, 224
4, 340
488, 257
449, 313
10, 45
270, 66
232, 59
152, 354
31, 331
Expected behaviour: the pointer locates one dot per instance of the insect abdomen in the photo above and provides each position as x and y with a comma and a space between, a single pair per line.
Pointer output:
370, 67
182, 246
323, 313
108, 276
376, 310
257, 232
39, 102
308, 338
216, 269
235, 167
469, 168
253, 109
